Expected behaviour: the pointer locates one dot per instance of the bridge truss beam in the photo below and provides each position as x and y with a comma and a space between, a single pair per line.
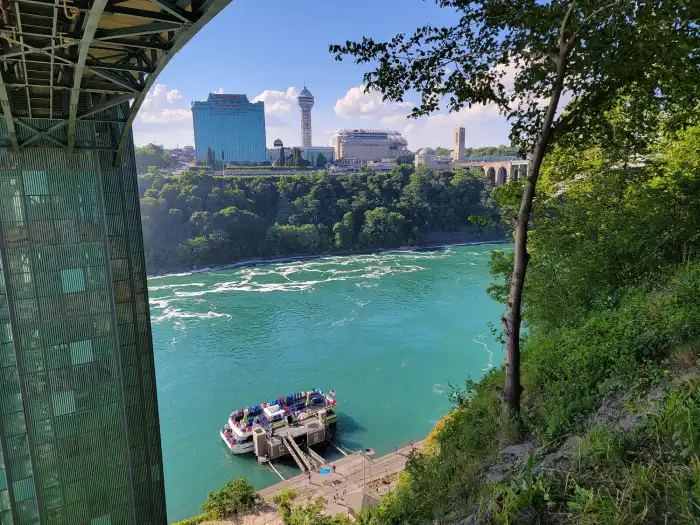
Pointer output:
68, 64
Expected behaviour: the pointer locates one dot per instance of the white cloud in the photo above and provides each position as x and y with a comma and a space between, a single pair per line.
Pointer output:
164, 118
164, 106
281, 115
173, 95
277, 102
484, 125
358, 104
219, 91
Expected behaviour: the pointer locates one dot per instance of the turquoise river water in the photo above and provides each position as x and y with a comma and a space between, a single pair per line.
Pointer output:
387, 331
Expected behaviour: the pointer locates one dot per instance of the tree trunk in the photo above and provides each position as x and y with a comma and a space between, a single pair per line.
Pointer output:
511, 323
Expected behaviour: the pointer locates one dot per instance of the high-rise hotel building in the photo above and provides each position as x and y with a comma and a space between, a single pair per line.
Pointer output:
231, 126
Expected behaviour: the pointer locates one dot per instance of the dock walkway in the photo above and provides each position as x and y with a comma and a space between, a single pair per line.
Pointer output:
379, 474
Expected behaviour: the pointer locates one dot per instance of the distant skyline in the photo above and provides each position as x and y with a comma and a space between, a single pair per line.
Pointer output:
266, 58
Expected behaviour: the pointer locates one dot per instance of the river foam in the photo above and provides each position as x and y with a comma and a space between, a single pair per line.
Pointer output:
180, 300
176, 313
299, 277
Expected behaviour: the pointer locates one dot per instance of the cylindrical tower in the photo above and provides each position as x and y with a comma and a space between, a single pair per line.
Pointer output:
306, 102
460, 143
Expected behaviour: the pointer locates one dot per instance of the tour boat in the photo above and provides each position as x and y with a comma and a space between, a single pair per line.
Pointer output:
239, 441
237, 433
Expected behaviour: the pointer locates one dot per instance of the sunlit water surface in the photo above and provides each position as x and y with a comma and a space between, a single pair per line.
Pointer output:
389, 332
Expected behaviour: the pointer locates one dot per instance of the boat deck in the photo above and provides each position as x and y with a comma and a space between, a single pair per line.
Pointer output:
302, 428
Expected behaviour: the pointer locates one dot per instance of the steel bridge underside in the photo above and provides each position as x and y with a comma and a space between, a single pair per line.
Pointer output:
75, 73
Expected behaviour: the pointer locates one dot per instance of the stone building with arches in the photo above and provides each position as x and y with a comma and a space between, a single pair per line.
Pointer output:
498, 171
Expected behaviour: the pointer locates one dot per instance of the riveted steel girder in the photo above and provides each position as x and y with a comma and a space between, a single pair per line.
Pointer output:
92, 61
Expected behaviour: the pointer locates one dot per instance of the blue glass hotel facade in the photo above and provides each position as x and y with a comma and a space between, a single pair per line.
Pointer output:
232, 126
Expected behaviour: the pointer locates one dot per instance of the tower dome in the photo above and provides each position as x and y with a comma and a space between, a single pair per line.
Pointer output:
305, 98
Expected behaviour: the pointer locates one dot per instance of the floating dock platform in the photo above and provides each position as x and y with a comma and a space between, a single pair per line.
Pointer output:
295, 439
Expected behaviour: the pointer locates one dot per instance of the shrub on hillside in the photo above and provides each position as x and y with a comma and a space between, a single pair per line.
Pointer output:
567, 370
236, 497
194, 520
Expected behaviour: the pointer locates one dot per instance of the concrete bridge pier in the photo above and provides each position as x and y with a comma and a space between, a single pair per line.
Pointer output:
81, 438
79, 434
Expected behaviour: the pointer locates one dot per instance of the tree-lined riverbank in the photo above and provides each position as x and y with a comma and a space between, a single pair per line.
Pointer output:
196, 220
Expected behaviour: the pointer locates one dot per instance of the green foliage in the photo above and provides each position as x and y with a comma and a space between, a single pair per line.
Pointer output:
194, 520
611, 303
570, 368
305, 513
598, 49
308, 514
382, 228
615, 225
443, 152
284, 501
152, 157
644, 477
614, 252
405, 158
344, 232
237, 497
492, 151
196, 219
522, 498
501, 266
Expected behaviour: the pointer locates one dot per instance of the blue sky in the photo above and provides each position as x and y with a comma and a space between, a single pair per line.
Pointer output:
265, 49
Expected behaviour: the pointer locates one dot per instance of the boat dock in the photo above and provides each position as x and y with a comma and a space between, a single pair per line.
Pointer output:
357, 480
270, 445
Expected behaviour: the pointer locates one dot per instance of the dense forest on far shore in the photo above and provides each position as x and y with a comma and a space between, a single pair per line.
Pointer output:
194, 219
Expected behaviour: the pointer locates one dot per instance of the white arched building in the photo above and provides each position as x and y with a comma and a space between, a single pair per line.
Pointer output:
366, 145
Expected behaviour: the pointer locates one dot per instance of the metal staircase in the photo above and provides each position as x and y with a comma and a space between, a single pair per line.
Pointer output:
316, 458
301, 459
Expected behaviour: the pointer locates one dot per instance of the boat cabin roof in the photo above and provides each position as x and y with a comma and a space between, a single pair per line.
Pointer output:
272, 411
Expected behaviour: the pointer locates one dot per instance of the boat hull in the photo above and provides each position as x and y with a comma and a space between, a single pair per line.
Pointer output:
235, 448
